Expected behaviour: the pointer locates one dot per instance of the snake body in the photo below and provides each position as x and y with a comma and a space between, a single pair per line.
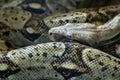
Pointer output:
59, 61
55, 60
23, 23
83, 15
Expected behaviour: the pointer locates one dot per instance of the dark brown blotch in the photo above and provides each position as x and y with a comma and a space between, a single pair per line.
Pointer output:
51, 21
30, 55
116, 68
116, 61
6, 19
23, 58
90, 58
44, 54
23, 18
37, 54
101, 63
109, 57
98, 78
113, 74
104, 68
61, 21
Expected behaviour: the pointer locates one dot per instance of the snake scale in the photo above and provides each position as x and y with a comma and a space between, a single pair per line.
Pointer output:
20, 29
86, 32
57, 60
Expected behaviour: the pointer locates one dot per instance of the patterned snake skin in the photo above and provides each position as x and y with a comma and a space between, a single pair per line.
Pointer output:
22, 24
59, 61
27, 23
23, 27
83, 15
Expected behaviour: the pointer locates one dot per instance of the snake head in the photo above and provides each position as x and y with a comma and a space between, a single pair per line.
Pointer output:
59, 34
7, 67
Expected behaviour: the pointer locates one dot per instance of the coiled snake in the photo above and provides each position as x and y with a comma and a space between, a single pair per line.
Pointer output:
60, 60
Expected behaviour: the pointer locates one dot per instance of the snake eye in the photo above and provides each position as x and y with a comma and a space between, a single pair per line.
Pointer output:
50, 34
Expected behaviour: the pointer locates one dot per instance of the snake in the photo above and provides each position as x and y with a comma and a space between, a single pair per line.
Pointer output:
59, 61
25, 21
87, 32
56, 60
31, 23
